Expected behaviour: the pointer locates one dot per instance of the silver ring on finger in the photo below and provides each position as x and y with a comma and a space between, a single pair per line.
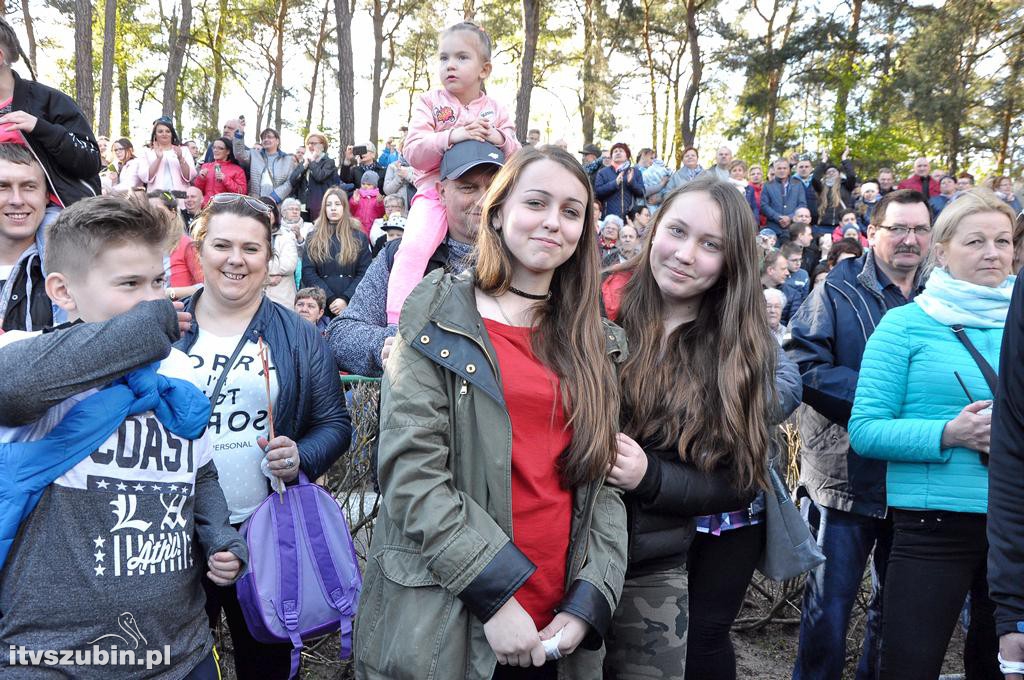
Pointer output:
288, 463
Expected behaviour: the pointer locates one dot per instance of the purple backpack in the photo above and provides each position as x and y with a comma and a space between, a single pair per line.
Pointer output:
303, 580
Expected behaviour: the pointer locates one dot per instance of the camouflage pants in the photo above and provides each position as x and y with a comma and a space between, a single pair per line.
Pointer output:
647, 638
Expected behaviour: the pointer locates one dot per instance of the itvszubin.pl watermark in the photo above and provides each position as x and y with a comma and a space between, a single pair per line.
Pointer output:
90, 656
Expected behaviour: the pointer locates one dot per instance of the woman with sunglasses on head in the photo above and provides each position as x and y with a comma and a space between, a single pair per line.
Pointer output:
235, 329
221, 175
499, 551
698, 403
337, 253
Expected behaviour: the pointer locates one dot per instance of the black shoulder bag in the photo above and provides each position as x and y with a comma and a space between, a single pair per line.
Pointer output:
986, 369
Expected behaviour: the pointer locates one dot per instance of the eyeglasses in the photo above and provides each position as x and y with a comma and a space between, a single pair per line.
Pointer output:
900, 231
258, 206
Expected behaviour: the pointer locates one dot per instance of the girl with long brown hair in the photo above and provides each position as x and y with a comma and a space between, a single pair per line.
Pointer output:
499, 409
697, 400
337, 252
835, 190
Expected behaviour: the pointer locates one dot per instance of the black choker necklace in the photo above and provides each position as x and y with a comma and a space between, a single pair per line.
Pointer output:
529, 296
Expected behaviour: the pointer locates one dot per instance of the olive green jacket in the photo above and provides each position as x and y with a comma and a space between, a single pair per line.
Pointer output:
442, 560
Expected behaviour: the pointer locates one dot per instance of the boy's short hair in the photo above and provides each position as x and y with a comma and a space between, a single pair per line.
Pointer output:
81, 232
790, 249
315, 294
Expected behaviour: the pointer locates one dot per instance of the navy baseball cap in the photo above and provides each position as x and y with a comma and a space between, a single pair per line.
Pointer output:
467, 155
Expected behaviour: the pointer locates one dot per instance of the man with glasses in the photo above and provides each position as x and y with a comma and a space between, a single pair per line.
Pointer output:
846, 503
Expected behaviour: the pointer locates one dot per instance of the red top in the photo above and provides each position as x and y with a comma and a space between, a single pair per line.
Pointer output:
234, 180
541, 508
185, 269
611, 291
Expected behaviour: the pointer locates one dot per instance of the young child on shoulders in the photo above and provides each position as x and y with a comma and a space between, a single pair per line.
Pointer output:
459, 111
118, 509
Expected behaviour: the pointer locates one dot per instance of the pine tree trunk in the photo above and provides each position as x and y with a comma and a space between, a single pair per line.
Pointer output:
689, 111
650, 73
531, 29
176, 58
107, 69
378, 65
589, 94
346, 80
213, 127
30, 33
316, 67
278, 93
84, 89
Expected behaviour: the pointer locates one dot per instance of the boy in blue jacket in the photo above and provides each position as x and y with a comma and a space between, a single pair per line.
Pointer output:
115, 497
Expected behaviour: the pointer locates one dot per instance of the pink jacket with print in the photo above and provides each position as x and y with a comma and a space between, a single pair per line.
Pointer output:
437, 113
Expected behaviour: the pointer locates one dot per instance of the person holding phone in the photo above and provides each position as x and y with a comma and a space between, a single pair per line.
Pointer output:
221, 175
361, 158
910, 410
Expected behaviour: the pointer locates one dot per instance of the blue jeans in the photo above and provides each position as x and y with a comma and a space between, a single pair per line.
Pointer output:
847, 540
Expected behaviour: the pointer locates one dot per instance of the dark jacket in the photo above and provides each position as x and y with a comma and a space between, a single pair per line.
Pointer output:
775, 204
1005, 472
358, 334
62, 140
618, 198
310, 183
442, 560
829, 332
832, 216
27, 307
811, 195
335, 279
310, 406
662, 510
353, 174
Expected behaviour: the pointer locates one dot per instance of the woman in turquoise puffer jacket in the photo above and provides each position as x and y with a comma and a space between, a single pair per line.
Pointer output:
911, 410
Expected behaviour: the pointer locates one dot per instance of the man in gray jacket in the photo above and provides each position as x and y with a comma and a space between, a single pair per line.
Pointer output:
270, 168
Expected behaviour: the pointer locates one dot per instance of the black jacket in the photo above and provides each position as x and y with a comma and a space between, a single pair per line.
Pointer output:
310, 184
310, 406
353, 174
662, 510
337, 280
62, 140
833, 215
1005, 472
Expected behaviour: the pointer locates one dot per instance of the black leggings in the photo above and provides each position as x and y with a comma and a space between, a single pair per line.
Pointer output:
719, 569
937, 557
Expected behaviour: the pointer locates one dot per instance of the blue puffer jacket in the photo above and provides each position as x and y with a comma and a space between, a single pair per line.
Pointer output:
310, 406
828, 335
905, 396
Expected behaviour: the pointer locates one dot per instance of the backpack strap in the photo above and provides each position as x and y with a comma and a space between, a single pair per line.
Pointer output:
290, 607
986, 369
341, 596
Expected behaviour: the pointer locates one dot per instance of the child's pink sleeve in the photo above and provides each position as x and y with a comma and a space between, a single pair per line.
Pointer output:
507, 127
424, 144
425, 229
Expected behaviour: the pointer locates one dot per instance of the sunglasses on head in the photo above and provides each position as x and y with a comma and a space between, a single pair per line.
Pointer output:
257, 205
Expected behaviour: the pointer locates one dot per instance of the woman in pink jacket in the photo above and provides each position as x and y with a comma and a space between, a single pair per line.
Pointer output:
223, 175
458, 112
167, 165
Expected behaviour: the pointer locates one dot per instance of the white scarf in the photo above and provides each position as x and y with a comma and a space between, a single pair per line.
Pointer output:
953, 301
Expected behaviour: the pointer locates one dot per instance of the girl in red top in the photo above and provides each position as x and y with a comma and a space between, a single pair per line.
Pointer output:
222, 175
527, 320
184, 276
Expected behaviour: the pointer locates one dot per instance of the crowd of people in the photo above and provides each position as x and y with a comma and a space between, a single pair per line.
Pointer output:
584, 362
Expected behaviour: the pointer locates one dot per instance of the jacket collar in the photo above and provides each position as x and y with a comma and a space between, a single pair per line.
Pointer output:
868, 275
257, 325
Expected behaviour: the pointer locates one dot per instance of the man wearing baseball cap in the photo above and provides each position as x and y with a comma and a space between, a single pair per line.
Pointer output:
592, 161
360, 337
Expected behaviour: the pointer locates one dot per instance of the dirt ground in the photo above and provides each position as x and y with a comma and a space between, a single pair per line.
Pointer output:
764, 654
